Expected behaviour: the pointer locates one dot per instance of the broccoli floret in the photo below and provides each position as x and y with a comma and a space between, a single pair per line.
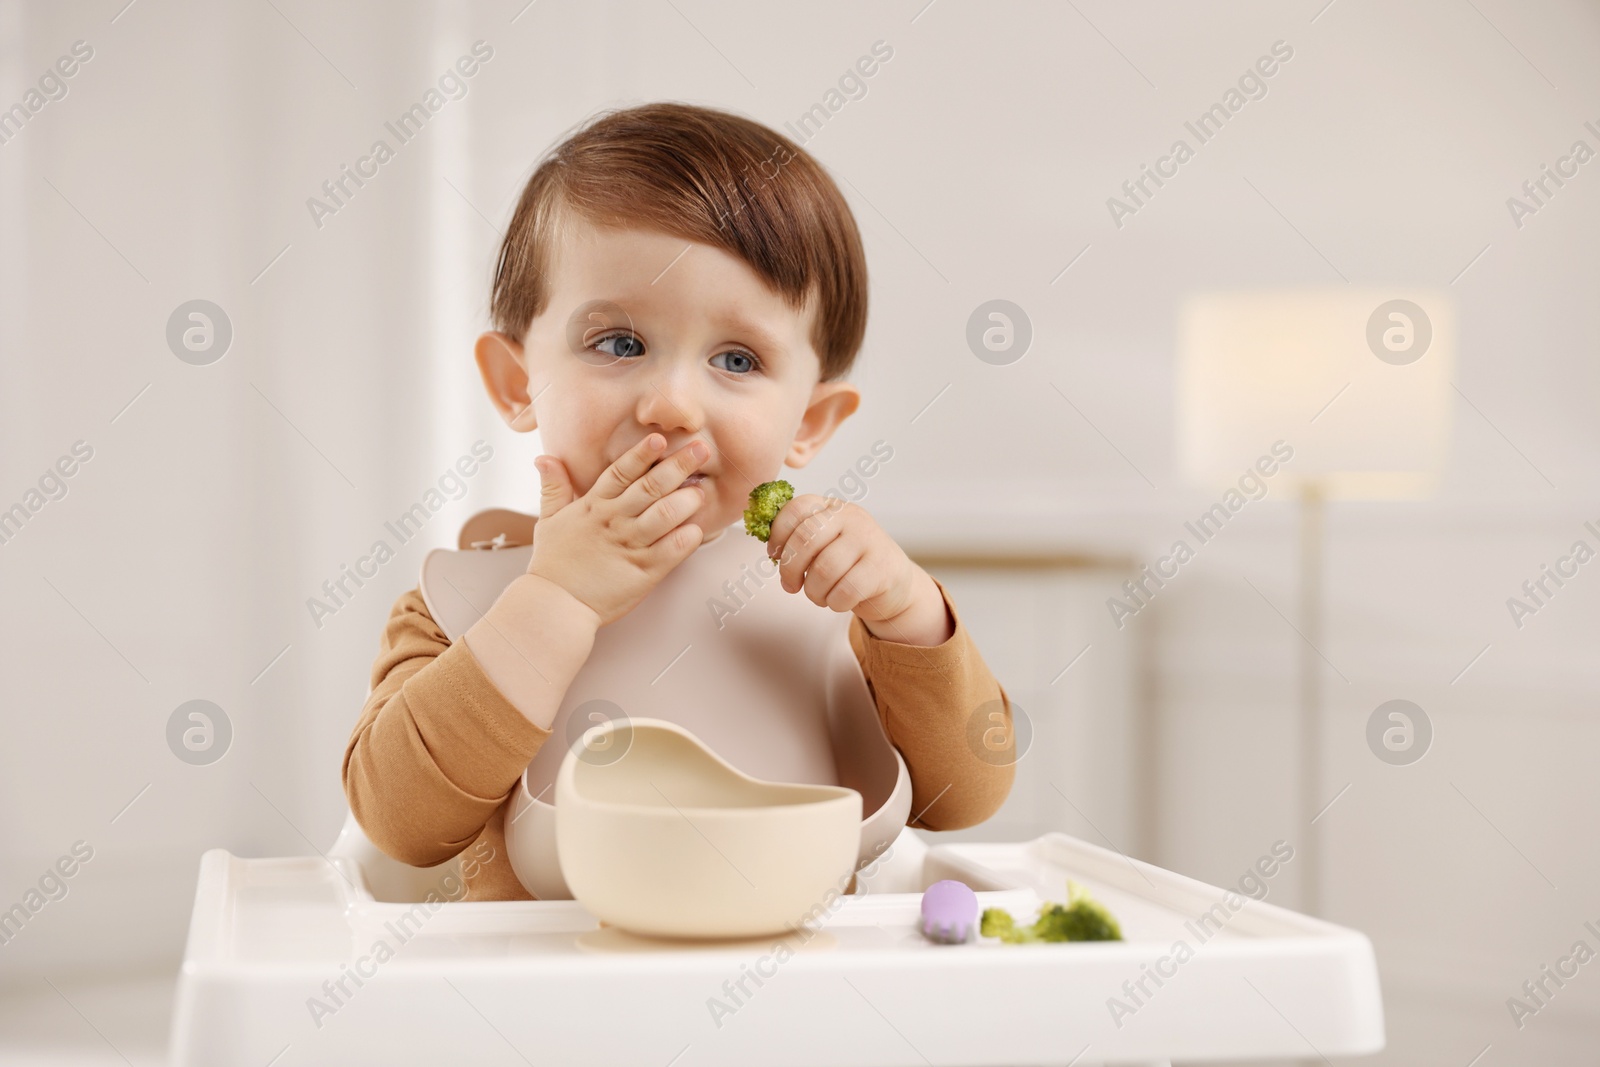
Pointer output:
997, 922
765, 500
1081, 919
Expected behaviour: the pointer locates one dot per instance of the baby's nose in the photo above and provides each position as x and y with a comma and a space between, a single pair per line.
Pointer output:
671, 403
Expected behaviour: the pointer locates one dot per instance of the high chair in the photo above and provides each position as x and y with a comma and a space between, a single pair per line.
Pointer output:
283, 966
354, 957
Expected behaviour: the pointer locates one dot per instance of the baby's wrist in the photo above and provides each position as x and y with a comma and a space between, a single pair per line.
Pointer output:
925, 621
553, 597
531, 644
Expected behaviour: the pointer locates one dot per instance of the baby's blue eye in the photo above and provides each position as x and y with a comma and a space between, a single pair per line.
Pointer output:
628, 345
748, 365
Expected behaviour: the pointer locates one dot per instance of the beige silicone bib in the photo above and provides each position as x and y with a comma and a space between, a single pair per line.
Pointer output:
764, 678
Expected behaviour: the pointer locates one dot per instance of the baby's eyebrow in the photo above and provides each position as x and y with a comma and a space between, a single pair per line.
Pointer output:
601, 306
763, 337
595, 313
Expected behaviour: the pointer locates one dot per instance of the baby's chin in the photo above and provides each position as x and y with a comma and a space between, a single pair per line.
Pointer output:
712, 522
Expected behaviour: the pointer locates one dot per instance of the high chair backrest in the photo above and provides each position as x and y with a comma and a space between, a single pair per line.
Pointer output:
387, 879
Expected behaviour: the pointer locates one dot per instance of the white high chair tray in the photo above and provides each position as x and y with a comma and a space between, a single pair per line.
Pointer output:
542, 982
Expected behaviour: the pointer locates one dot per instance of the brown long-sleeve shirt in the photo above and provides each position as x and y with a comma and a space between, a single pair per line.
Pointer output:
438, 750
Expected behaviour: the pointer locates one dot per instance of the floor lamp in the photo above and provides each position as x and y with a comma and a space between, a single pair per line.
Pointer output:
1357, 382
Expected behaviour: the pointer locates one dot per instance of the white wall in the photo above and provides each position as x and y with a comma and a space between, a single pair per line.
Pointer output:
979, 164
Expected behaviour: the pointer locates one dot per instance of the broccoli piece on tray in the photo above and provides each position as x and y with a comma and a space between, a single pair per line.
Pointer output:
997, 922
1081, 919
765, 500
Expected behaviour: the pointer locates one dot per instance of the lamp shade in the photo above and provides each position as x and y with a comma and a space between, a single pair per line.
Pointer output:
1356, 381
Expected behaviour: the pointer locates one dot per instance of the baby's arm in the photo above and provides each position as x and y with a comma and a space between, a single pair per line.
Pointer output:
934, 700
448, 728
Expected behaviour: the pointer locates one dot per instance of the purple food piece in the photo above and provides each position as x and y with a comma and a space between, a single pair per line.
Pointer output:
949, 912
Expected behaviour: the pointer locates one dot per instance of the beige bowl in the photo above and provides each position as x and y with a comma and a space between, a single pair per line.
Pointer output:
661, 836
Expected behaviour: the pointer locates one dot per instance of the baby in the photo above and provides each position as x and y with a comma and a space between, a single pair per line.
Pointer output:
678, 299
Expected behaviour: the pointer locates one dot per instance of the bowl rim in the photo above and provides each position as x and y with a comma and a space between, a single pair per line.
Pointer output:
828, 794
665, 810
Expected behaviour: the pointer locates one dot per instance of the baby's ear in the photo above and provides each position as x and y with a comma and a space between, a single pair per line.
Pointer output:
831, 403
502, 363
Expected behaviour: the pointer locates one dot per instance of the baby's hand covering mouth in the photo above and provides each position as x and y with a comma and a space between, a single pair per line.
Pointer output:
765, 500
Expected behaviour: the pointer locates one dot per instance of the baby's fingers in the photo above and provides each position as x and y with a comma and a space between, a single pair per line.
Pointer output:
833, 578
668, 475
628, 466
676, 544
555, 489
800, 550
659, 519
791, 515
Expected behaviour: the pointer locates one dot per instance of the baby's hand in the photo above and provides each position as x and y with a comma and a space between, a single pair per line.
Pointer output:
614, 544
845, 561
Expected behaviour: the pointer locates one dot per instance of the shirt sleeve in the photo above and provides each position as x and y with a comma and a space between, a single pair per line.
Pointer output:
437, 747
945, 711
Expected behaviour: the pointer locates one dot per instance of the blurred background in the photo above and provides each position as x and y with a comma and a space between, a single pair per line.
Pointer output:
215, 395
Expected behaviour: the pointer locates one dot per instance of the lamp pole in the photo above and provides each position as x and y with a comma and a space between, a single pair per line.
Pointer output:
1310, 732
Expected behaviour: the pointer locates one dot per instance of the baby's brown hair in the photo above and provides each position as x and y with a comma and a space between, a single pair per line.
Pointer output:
703, 175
